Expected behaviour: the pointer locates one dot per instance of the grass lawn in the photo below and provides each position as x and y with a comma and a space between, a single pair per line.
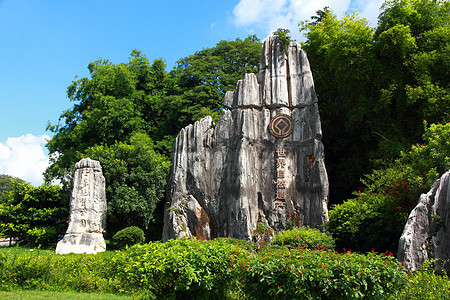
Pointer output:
45, 252
21, 294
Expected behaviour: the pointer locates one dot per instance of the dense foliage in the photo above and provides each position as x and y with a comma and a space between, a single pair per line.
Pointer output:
128, 236
34, 215
203, 78
217, 269
376, 217
185, 268
7, 186
376, 87
425, 284
304, 237
45, 270
136, 178
309, 274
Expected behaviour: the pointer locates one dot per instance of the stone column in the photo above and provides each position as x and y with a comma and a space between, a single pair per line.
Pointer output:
87, 211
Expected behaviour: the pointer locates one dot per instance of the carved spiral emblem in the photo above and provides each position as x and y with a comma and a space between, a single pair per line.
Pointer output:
281, 126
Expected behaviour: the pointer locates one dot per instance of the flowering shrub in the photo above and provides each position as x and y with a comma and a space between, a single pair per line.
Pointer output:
312, 274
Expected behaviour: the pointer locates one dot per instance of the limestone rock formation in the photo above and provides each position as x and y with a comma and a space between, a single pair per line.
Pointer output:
263, 162
87, 211
427, 231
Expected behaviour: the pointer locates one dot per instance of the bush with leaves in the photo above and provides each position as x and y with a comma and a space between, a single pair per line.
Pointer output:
193, 269
304, 237
376, 217
40, 269
313, 274
128, 236
432, 158
184, 268
425, 283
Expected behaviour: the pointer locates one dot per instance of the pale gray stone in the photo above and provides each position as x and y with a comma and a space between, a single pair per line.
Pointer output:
427, 231
88, 209
223, 179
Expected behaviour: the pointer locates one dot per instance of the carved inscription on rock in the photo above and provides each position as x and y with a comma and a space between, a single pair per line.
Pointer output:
280, 193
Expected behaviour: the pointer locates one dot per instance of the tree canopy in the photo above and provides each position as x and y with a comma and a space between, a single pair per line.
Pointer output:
7, 186
376, 87
34, 215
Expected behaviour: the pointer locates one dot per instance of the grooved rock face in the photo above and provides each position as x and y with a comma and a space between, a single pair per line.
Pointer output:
87, 211
227, 178
426, 233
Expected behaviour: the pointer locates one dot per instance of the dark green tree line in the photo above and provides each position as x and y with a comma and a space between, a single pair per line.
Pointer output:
376, 87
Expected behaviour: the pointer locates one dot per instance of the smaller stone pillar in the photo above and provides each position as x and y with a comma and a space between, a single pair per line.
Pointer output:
87, 220
427, 232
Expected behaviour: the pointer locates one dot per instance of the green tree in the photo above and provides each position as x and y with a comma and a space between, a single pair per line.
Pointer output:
320, 16
376, 87
413, 41
205, 77
121, 99
34, 215
375, 218
136, 177
423, 51
344, 67
110, 106
285, 36
7, 186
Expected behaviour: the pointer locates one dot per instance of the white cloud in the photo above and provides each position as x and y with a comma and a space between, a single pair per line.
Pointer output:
24, 157
268, 15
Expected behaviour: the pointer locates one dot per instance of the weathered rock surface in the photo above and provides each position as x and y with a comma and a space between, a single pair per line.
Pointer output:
87, 211
427, 231
227, 178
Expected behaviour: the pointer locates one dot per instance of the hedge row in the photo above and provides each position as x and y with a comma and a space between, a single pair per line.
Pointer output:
217, 269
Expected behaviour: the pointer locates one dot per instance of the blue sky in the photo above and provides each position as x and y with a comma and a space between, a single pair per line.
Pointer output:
46, 43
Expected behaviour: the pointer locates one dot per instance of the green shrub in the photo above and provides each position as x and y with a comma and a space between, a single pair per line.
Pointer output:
425, 284
183, 268
262, 235
313, 274
45, 270
368, 222
304, 237
216, 269
244, 244
127, 237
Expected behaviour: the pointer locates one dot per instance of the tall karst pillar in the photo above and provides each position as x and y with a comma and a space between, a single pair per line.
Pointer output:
88, 210
263, 162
